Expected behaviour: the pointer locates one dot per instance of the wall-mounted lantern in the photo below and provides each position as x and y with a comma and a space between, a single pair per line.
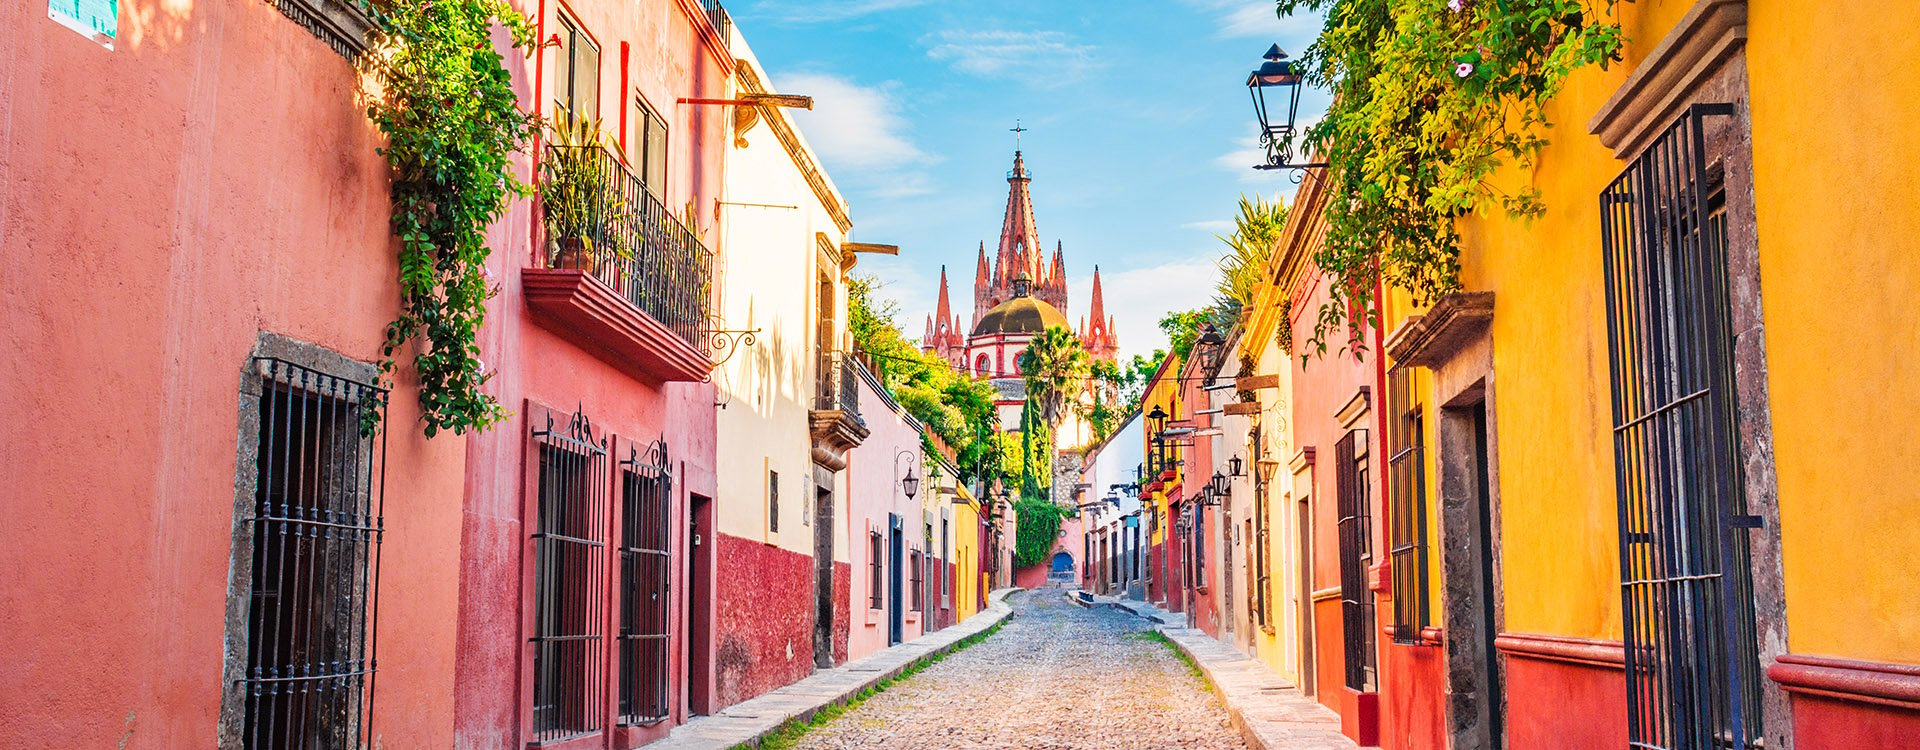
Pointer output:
1276, 136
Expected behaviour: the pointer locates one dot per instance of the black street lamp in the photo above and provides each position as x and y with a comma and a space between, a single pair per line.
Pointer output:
1220, 484
1277, 138
1210, 345
1234, 465
910, 483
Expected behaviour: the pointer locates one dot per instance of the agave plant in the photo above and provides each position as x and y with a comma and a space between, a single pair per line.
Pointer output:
588, 220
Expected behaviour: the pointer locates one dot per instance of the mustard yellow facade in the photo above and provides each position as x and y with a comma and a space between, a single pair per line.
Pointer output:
1816, 158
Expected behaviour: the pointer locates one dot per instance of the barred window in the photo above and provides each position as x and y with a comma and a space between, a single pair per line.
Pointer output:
645, 517
315, 571
570, 558
1408, 516
1356, 556
773, 501
873, 558
913, 568
1694, 672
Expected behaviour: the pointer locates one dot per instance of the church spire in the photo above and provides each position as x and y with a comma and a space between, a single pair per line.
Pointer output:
1019, 239
943, 310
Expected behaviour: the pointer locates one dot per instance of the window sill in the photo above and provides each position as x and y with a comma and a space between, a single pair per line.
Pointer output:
873, 616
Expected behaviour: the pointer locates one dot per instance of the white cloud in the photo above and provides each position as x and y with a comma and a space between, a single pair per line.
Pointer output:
852, 126
1257, 19
1040, 58
1138, 298
823, 11
1215, 226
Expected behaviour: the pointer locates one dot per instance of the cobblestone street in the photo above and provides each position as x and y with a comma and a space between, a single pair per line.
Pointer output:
1056, 676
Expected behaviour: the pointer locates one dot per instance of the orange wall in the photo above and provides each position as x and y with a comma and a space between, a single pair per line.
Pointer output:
163, 203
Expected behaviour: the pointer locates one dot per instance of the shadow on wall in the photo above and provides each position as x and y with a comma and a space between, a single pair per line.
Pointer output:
730, 667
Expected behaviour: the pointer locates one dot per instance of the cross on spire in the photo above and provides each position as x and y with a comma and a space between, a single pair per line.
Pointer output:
1016, 130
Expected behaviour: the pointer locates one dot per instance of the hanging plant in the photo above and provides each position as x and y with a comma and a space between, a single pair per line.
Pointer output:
452, 123
1431, 98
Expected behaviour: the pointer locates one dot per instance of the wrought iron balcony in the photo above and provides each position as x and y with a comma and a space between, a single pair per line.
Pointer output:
835, 422
603, 223
717, 16
838, 386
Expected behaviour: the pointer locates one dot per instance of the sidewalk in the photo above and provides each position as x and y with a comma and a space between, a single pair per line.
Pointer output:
752, 719
1269, 711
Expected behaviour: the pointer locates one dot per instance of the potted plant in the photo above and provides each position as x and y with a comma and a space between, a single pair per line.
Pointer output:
582, 209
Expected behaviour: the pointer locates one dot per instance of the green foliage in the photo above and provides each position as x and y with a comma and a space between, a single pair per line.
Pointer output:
1055, 366
452, 122
1256, 230
1430, 99
1182, 329
1036, 529
575, 205
950, 404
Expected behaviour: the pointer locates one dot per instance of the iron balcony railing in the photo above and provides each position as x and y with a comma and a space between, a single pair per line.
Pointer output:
838, 386
635, 245
717, 15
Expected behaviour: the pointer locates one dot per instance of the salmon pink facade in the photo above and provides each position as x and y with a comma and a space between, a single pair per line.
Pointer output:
199, 268
582, 594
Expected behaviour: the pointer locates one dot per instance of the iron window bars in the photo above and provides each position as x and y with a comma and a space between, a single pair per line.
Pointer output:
1356, 555
314, 590
1692, 665
837, 386
1407, 519
570, 560
873, 556
914, 562
665, 272
646, 516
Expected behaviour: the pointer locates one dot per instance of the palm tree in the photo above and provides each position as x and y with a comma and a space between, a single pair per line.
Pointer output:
1055, 365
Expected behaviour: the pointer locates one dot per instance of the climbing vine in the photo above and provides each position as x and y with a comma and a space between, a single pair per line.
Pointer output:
1431, 98
452, 123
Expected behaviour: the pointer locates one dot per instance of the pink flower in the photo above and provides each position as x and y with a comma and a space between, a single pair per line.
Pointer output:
480, 369
1456, 5
1463, 70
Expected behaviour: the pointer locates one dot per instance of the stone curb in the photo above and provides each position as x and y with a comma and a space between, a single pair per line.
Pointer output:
750, 721
1269, 712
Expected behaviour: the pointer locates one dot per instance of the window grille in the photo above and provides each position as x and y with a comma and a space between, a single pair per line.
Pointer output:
646, 516
1692, 665
1356, 555
315, 573
773, 501
1408, 517
570, 558
1263, 573
873, 558
913, 567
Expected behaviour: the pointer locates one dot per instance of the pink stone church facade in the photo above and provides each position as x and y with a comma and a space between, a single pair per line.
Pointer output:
1019, 269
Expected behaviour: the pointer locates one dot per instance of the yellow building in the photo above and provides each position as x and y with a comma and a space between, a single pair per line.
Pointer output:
1704, 341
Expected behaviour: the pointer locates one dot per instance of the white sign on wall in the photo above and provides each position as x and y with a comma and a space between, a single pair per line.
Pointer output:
98, 20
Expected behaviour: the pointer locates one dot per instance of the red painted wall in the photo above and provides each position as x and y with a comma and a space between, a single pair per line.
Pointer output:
842, 609
1323, 387
764, 632
1822, 723
1561, 704
1413, 712
161, 204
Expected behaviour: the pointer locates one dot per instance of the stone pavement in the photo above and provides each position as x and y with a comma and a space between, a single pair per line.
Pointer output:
1057, 676
749, 720
1270, 712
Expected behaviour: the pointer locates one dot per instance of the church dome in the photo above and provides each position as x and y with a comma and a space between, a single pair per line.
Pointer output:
1021, 315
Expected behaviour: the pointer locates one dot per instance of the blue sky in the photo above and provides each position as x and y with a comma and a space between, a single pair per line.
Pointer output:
1140, 133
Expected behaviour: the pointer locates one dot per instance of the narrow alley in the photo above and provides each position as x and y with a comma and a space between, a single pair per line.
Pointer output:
1059, 676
